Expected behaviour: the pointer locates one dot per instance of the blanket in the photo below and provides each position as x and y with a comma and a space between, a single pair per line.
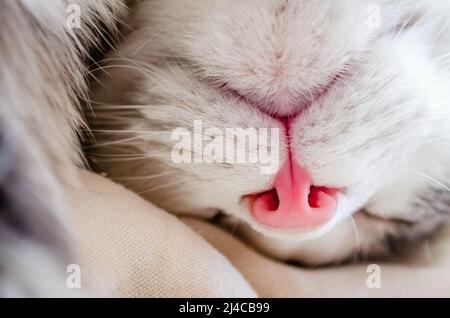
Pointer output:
126, 247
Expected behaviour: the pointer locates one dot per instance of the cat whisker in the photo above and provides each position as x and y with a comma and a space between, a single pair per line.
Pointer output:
437, 139
107, 131
441, 57
407, 21
139, 64
119, 141
148, 177
119, 159
159, 187
126, 66
116, 155
357, 238
113, 118
441, 31
119, 107
430, 178
396, 20
419, 120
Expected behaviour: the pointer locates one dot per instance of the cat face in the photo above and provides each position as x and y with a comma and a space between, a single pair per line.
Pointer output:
350, 86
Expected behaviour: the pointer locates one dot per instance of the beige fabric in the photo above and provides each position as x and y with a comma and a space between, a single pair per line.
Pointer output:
129, 248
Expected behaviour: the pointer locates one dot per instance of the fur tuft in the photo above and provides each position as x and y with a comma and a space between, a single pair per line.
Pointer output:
42, 87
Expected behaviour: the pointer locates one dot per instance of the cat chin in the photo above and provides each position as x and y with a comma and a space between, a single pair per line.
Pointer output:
297, 235
356, 238
336, 245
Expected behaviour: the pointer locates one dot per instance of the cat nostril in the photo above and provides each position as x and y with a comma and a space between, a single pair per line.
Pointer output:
270, 200
315, 195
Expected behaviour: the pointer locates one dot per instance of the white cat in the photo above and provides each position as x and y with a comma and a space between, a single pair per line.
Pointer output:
358, 89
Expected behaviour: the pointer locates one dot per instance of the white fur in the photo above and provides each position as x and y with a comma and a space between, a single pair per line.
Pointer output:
373, 132
42, 86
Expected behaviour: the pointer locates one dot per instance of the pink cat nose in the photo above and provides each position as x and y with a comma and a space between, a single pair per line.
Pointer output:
294, 203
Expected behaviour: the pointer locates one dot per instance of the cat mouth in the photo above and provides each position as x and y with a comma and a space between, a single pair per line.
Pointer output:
285, 104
